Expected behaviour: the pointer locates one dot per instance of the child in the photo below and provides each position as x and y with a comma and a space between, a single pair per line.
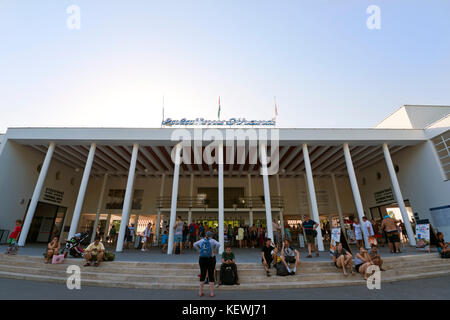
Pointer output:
14, 237
164, 238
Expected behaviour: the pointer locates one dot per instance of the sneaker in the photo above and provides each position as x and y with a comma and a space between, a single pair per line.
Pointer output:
96, 264
87, 264
268, 273
292, 273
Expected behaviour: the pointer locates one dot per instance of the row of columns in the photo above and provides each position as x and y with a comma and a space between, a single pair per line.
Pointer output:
263, 154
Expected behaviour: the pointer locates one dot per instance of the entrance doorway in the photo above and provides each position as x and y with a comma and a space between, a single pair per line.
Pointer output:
47, 222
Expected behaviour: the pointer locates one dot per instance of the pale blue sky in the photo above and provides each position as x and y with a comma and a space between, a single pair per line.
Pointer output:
318, 57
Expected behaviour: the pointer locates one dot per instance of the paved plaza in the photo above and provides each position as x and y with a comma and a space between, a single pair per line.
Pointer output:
428, 289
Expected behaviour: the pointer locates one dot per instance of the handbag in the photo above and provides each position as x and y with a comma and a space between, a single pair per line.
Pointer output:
58, 259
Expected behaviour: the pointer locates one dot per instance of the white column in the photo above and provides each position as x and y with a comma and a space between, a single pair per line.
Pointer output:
36, 195
250, 214
312, 196
338, 202
82, 191
108, 219
263, 154
173, 207
127, 201
221, 200
191, 195
99, 206
398, 195
308, 197
281, 209
158, 217
355, 189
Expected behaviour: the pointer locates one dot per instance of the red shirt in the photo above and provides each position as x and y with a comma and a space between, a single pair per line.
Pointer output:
15, 232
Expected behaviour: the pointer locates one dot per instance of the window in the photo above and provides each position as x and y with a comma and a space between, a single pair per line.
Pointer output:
442, 145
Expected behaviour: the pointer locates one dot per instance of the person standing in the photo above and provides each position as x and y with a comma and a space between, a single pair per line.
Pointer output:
358, 233
13, 238
178, 227
240, 236
276, 232
369, 229
112, 234
146, 237
207, 261
310, 227
390, 226
193, 233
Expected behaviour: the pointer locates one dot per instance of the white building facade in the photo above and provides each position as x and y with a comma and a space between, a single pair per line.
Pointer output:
66, 180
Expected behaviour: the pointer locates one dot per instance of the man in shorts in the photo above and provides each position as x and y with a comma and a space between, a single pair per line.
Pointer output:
310, 227
178, 239
94, 252
268, 254
390, 226
289, 255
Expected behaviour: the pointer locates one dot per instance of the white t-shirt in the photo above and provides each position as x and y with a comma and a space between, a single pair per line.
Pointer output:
358, 233
368, 226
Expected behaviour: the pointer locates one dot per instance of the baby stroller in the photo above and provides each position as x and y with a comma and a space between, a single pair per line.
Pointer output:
73, 246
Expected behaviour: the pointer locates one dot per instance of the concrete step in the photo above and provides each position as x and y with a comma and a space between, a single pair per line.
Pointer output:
246, 276
111, 267
245, 286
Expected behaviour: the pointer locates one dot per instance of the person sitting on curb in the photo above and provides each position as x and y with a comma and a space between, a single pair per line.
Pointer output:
52, 249
268, 254
442, 246
228, 260
375, 257
289, 255
362, 262
95, 252
342, 258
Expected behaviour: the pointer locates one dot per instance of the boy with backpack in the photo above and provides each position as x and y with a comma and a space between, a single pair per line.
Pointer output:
193, 230
13, 238
228, 269
207, 261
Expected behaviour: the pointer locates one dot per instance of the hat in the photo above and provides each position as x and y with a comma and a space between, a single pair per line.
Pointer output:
209, 234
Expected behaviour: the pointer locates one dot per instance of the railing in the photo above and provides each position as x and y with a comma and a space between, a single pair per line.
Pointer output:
200, 202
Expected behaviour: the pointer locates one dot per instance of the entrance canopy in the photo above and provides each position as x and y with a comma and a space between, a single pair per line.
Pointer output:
156, 149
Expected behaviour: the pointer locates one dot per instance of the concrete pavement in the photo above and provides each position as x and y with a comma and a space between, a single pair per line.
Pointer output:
428, 289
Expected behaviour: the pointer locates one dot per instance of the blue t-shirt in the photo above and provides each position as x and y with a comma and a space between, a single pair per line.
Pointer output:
309, 226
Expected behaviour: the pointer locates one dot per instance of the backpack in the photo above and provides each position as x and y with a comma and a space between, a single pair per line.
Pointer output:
205, 249
281, 269
108, 256
229, 277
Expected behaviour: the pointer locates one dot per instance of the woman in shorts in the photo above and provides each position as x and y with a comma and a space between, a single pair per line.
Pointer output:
362, 262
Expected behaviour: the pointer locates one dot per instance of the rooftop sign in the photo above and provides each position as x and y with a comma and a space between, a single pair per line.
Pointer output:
230, 122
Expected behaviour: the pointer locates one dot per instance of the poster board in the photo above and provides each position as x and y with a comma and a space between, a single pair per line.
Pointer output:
335, 237
423, 237
351, 237
301, 241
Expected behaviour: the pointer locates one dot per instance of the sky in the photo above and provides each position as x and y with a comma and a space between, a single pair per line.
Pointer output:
319, 58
